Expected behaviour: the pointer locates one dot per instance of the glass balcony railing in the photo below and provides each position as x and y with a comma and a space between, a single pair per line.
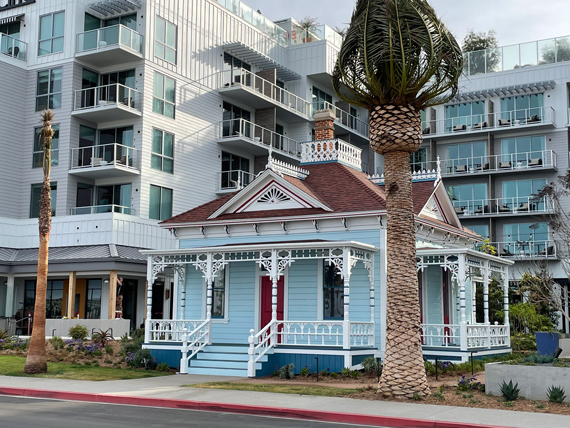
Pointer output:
343, 117
492, 121
99, 209
512, 57
101, 96
234, 180
502, 206
259, 21
13, 47
526, 249
241, 128
321, 32
104, 155
110, 36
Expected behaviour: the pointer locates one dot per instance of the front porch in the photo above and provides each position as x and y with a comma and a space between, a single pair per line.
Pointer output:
265, 305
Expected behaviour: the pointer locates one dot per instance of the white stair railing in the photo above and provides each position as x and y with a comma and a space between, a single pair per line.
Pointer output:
260, 344
194, 342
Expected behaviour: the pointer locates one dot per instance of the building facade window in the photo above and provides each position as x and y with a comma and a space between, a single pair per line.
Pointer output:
164, 95
165, 40
48, 90
54, 298
522, 107
467, 114
520, 151
333, 293
52, 27
93, 299
160, 203
231, 116
38, 155
36, 197
235, 171
232, 71
526, 239
103, 199
480, 229
320, 99
219, 295
418, 160
517, 193
162, 157
469, 198
470, 155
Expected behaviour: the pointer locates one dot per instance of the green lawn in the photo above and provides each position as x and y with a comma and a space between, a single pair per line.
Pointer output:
322, 391
14, 366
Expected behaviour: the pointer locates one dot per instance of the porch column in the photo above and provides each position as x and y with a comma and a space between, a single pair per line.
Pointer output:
149, 280
505, 278
486, 294
566, 308
179, 280
209, 289
274, 280
112, 295
473, 302
71, 294
10, 295
462, 304
346, 268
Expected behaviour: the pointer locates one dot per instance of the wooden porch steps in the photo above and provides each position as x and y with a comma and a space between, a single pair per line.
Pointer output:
223, 360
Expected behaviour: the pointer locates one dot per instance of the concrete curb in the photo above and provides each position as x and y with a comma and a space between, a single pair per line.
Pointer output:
281, 412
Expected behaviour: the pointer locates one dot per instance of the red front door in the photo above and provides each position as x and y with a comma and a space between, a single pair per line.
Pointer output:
446, 305
266, 286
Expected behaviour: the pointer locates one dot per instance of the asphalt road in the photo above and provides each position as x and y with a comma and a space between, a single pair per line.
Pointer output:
31, 412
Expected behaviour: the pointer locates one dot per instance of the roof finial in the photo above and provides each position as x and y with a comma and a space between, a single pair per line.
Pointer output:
438, 179
270, 159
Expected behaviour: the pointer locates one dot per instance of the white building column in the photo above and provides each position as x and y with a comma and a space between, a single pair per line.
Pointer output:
567, 307
10, 295
505, 279
274, 274
462, 303
486, 294
346, 270
149, 281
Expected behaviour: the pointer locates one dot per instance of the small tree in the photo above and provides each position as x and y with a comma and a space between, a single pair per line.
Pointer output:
484, 56
308, 26
543, 292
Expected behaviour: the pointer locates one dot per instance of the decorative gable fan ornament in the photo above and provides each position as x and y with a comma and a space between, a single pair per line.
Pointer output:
273, 196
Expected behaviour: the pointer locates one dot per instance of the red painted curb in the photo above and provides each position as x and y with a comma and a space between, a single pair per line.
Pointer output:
282, 412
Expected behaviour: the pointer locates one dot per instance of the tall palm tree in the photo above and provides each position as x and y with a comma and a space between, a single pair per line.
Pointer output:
398, 58
36, 362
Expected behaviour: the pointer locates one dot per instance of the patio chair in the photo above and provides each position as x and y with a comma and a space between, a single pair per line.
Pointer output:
535, 162
483, 209
460, 128
96, 161
461, 168
506, 253
426, 131
459, 210
483, 167
480, 125
505, 164
504, 209
504, 122
534, 118
524, 207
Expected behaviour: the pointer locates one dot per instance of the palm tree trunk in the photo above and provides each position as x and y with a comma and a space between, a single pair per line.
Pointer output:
395, 133
36, 361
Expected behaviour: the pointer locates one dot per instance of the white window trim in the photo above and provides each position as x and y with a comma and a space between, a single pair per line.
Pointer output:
162, 155
226, 318
166, 22
52, 14
41, 151
163, 98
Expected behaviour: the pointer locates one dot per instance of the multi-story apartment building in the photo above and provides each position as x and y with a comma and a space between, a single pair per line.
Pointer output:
160, 106
499, 141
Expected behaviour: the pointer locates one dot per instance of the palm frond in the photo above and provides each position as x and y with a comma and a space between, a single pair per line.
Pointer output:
397, 52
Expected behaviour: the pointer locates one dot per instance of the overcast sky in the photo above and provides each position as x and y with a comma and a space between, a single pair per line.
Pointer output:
515, 21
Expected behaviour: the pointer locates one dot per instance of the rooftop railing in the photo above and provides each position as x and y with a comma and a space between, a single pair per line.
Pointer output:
492, 121
343, 117
258, 135
13, 47
105, 95
99, 209
104, 155
240, 77
540, 52
331, 150
259, 21
502, 206
300, 36
110, 36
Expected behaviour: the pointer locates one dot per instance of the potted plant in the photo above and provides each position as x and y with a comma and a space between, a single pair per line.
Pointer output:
308, 26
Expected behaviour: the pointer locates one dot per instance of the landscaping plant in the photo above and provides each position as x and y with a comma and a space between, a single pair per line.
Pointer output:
57, 342
509, 391
370, 365
286, 372
102, 337
556, 394
78, 332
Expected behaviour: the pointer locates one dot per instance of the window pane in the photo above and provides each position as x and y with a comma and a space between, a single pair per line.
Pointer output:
43, 83
58, 24
38, 160
45, 27
154, 203
156, 141
38, 143
57, 45
166, 204
55, 101
168, 144
55, 84
170, 55
35, 198
158, 106
158, 85
160, 29
44, 47
156, 162
167, 165
41, 103
159, 50
509, 189
171, 35
169, 87
169, 110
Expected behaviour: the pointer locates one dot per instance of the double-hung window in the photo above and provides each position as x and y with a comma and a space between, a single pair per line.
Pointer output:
36, 198
51, 33
160, 203
164, 95
219, 295
48, 89
333, 293
38, 155
165, 40
162, 157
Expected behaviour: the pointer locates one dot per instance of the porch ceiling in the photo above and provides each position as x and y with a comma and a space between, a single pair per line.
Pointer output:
466, 251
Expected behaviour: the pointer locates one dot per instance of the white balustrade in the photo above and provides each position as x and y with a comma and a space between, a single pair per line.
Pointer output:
260, 344
499, 336
234, 179
331, 150
531, 249
193, 342
100, 209
502, 206
362, 334
440, 335
310, 333
104, 155
477, 336
171, 330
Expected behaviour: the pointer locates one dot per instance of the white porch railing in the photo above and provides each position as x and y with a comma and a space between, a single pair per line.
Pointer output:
194, 342
259, 345
104, 155
440, 335
478, 336
161, 331
310, 333
13, 47
331, 150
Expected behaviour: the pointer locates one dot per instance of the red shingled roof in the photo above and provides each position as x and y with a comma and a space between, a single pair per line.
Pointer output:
339, 187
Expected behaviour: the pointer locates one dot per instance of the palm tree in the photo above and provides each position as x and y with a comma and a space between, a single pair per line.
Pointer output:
398, 58
36, 361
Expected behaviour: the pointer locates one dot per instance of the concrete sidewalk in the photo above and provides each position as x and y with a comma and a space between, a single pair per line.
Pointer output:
170, 388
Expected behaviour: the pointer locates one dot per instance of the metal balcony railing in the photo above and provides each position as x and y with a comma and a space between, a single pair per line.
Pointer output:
502, 206
13, 47
104, 155
526, 249
300, 36
343, 117
109, 36
258, 135
494, 121
99, 209
240, 77
234, 179
101, 96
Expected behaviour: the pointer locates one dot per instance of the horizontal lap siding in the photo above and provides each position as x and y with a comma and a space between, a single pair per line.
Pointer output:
359, 294
194, 291
303, 283
434, 296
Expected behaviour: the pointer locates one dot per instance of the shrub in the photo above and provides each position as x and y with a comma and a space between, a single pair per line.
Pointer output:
354, 374
509, 391
141, 358
464, 384
78, 332
323, 373
57, 342
334, 375
539, 359
370, 365
305, 372
346, 372
103, 337
286, 372
162, 367
439, 396
4, 335
556, 394
109, 349
416, 397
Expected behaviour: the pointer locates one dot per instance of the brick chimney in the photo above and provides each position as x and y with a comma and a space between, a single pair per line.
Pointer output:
324, 125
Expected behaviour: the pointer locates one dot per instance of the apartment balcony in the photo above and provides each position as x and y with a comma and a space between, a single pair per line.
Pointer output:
500, 207
248, 88
526, 250
109, 46
345, 121
105, 161
242, 134
516, 120
107, 103
232, 181
100, 209
13, 48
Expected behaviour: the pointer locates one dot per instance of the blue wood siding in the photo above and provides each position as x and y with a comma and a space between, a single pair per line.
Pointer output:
194, 294
332, 363
359, 294
303, 289
433, 291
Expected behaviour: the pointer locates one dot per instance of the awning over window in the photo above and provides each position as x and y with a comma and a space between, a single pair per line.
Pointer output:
259, 59
505, 91
11, 19
108, 8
